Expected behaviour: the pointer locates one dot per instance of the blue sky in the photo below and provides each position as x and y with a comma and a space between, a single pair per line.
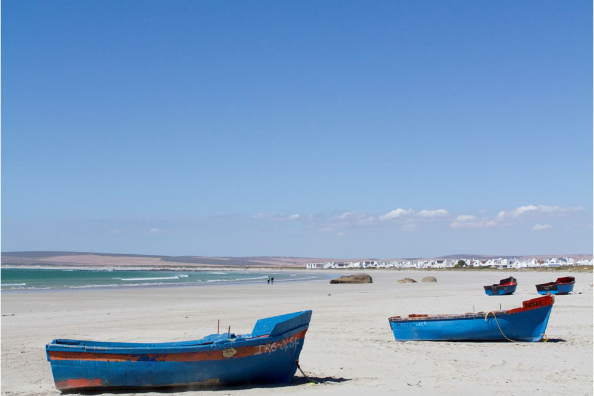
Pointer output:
305, 128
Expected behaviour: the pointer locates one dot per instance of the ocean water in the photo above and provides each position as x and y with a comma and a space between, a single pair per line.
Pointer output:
14, 279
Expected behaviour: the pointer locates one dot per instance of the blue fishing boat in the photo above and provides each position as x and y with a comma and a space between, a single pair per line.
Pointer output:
560, 286
527, 323
506, 286
269, 354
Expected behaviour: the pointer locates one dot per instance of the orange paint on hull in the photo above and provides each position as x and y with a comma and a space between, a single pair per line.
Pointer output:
78, 383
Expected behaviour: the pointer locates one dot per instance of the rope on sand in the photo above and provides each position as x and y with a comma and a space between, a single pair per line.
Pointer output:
302, 373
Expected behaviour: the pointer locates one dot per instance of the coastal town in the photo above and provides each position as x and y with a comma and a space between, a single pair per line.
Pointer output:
499, 263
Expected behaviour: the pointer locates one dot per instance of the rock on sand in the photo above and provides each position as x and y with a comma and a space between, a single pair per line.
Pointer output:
406, 280
359, 278
429, 279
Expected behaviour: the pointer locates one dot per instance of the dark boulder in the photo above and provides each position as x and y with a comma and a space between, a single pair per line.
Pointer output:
406, 280
358, 278
429, 279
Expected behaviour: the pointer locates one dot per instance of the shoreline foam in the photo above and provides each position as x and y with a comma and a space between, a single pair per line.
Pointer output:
168, 278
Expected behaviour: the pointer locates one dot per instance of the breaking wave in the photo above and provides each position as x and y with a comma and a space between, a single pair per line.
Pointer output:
150, 279
238, 279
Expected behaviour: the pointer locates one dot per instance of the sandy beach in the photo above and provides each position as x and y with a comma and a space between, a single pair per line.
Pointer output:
349, 348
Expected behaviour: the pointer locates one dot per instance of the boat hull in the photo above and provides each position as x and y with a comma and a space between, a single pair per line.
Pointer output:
497, 290
562, 286
522, 324
262, 359
506, 286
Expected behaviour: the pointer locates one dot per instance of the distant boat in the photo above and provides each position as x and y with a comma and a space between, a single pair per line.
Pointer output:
505, 286
560, 286
527, 323
268, 355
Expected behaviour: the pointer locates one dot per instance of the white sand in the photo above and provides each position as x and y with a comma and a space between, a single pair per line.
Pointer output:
349, 344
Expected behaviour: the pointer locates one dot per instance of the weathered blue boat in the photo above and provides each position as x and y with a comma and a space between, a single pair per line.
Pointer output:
269, 354
527, 323
506, 286
560, 286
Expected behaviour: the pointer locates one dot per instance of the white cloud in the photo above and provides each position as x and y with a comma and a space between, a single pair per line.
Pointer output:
542, 227
545, 209
411, 220
462, 218
275, 216
507, 218
367, 220
433, 213
353, 218
410, 226
155, 230
408, 219
523, 209
466, 222
550, 208
558, 209
394, 214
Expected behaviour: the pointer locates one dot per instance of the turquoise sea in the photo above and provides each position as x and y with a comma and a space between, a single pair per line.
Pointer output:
19, 279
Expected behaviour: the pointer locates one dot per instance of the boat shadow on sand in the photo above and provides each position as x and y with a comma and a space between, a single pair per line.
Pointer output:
486, 342
555, 340
297, 381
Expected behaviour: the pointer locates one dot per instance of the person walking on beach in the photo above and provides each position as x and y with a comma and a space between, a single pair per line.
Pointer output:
272, 280
268, 280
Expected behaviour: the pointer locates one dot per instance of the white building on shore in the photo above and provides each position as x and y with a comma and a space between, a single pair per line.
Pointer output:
499, 263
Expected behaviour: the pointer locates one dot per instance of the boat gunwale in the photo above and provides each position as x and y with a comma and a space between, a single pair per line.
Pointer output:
557, 282
422, 318
131, 349
548, 300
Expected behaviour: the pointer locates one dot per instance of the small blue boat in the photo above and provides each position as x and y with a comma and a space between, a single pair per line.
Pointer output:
506, 286
269, 354
527, 323
560, 286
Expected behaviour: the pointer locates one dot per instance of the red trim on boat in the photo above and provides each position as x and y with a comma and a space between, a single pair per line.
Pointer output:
565, 280
534, 304
217, 354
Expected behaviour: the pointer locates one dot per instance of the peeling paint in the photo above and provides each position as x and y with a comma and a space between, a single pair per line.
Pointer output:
78, 383
229, 353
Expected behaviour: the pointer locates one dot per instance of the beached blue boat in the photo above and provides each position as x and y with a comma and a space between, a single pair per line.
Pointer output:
560, 286
504, 287
269, 354
527, 323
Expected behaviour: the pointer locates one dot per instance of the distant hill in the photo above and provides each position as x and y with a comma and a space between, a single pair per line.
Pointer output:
81, 259
46, 254
60, 258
